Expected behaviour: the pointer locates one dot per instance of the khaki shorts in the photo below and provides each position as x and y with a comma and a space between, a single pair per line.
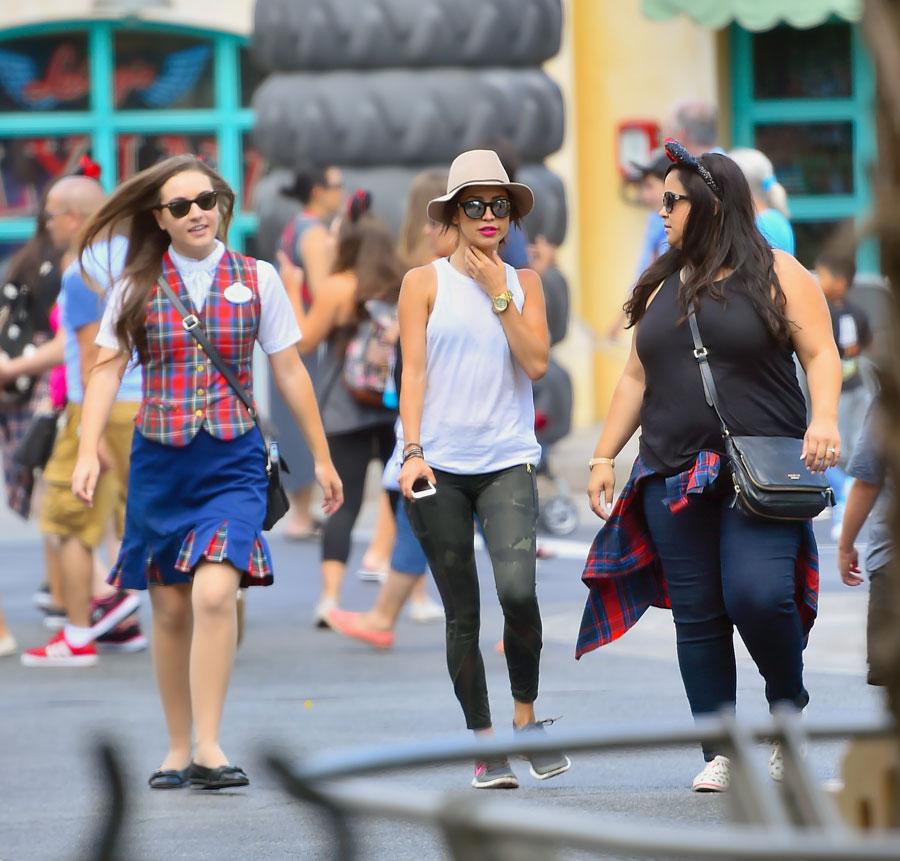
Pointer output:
62, 513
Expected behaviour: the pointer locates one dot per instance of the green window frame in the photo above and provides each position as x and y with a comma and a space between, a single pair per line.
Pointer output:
227, 119
857, 109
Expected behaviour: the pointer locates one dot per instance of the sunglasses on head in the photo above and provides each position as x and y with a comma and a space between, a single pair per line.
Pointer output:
670, 199
180, 207
475, 207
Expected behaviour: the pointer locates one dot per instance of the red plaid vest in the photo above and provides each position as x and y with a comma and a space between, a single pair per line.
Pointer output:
182, 390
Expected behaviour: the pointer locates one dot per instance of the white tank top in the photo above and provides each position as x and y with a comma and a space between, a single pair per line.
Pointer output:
478, 414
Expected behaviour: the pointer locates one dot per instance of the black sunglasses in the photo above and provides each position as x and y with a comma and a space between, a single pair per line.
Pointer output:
180, 207
475, 208
670, 199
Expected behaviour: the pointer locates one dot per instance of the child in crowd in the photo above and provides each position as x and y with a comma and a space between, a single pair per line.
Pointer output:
853, 334
870, 496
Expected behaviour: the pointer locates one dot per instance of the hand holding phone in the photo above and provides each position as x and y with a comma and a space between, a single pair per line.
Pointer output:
422, 488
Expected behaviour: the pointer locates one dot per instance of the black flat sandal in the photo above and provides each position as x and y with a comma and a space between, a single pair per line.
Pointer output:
222, 777
169, 778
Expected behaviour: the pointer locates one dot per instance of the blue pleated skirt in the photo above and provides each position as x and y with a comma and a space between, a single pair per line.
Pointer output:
206, 500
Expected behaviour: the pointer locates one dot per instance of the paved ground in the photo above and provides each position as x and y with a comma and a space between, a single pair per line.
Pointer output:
304, 690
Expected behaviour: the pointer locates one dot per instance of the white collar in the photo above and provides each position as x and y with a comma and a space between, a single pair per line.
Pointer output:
190, 265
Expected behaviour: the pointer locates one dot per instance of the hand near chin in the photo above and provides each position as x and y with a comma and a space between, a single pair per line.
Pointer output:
487, 269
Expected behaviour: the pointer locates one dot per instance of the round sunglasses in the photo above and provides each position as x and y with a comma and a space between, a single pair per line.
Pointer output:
670, 199
475, 207
180, 207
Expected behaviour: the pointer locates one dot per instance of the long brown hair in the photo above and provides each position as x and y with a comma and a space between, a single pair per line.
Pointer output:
365, 247
24, 266
130, 211
413, 246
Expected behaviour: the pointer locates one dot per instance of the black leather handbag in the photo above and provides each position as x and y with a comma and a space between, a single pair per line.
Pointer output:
770, 479
277, 502
36, 445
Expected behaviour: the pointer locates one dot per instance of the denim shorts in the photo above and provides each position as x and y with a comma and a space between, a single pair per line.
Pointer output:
408, 556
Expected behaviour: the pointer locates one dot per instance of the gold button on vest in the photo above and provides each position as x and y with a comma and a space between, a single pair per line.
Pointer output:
199, 414
201, 392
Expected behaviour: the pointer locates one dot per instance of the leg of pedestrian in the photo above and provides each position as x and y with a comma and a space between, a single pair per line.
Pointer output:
171, 646
213, 645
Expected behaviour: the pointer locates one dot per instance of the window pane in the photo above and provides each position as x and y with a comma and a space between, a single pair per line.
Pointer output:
44, 74
812, 236
803, 64
255, 168
251, 76
810, 158
137, 152
28, 164
156, 70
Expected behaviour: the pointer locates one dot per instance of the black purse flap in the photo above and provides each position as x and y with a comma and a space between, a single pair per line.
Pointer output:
773, 463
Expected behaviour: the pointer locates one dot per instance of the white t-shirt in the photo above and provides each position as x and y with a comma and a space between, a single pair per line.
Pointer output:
278, 328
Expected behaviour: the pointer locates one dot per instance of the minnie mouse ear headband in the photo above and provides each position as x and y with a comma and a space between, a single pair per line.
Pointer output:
679, 155
359, 204
87, 167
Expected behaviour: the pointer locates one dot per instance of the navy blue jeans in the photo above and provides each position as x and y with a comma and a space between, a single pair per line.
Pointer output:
725, 569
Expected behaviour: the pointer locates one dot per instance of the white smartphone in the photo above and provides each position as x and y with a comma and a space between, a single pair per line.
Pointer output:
422, 487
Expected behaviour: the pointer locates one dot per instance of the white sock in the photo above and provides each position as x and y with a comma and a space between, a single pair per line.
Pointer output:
78, 637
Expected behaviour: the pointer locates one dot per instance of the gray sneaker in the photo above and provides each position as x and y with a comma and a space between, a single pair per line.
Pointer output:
494, 774
544, 765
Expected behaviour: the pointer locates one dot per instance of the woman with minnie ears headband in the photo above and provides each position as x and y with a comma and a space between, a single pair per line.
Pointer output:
473, 333
675, 538
197, 501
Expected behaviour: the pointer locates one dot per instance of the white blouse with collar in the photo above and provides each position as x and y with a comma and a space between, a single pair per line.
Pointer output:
278, 328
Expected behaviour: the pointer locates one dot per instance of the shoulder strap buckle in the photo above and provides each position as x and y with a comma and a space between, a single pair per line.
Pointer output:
191, 322
700, 352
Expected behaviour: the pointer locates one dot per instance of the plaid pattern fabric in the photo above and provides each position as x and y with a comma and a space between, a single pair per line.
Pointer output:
623, 572
257, 566
182, 391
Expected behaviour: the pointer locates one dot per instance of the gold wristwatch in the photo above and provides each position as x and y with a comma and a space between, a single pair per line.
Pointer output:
501, 302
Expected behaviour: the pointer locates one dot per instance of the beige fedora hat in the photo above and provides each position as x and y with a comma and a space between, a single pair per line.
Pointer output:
481, 167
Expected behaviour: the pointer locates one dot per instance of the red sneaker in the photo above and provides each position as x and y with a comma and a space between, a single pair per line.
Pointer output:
59, 653
347, 623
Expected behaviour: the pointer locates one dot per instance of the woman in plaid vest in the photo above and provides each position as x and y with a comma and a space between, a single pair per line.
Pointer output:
198, 481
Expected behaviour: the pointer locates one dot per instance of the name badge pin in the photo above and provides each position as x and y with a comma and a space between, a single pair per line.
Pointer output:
238, 293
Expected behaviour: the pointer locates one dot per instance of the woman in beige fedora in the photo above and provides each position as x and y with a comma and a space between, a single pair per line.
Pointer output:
473, 332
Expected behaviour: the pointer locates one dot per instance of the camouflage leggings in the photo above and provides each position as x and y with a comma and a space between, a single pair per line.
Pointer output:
506, 504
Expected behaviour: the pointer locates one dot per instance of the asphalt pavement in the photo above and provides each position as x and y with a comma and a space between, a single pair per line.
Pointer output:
299, 690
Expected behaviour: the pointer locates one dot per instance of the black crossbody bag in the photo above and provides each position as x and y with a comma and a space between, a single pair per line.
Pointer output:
770, 479
277, 503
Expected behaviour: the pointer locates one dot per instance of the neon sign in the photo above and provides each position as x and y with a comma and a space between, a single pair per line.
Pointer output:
66, 80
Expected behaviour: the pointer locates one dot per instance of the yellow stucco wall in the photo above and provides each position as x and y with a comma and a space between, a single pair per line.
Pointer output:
625, 66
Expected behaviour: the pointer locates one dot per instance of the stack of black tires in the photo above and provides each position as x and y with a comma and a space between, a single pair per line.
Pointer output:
386, 88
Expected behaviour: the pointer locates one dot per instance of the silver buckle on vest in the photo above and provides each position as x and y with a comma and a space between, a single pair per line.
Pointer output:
191, 322
701, 353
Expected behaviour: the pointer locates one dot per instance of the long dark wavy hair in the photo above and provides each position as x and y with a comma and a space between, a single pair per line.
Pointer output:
365, 247
718, 234
129, 210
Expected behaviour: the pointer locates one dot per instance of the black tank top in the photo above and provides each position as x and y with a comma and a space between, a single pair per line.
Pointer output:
755, 378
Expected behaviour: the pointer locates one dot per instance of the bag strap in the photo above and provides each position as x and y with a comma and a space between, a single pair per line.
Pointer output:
191, 323
701, 354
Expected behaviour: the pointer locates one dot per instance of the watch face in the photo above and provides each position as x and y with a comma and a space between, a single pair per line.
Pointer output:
501, 303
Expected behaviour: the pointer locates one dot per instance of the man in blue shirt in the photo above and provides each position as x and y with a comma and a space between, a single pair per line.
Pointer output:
79, 529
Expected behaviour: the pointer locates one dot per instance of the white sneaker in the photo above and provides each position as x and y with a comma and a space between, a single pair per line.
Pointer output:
715, 777
427, 610
320, 614
8, 646
776, 762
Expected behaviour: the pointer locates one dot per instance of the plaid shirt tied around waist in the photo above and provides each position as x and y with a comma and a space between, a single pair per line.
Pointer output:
623, 572
182, 390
